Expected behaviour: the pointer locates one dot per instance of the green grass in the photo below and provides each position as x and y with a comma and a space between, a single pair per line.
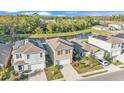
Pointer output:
58, 34
69, 33
117, 63
89, 64
95, 73
53, 73
5, 39
122, 67
100, 32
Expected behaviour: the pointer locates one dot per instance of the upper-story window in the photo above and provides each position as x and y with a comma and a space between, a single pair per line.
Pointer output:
58, 52
66, 51
41, 54
28, 56
18, 56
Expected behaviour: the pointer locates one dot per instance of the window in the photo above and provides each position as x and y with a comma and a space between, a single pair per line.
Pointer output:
66, 51
20, 67
41, 54
58, 52
28, 56
18, 56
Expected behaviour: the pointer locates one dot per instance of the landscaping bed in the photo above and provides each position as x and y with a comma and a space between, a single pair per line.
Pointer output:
88, 64
53, 73
117, 63
7, 74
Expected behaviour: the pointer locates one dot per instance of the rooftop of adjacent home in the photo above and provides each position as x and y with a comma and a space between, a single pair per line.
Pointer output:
5, 52
120, 35
109, 39
59, 44
86, 46
28, 46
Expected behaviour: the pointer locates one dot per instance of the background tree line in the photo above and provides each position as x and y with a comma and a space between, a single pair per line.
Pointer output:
115, 18
35, 24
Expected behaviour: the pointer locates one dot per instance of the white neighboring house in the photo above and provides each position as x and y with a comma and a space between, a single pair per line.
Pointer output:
100, 27
116, 26
112, 45
28, 56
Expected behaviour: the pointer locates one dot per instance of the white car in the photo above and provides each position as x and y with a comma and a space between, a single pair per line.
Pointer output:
103, 62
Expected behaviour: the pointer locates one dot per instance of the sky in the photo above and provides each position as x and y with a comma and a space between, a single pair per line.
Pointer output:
65, 13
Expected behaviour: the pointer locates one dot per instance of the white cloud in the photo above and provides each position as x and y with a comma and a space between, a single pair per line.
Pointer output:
11, 11
40, 13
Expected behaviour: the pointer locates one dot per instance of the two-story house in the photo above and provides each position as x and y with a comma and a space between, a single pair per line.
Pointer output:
112, 45
60, 51
28, 56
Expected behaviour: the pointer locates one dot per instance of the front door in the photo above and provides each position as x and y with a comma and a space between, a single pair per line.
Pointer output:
21, 67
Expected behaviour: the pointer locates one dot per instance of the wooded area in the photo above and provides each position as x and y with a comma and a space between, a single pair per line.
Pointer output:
35, 24
24, 24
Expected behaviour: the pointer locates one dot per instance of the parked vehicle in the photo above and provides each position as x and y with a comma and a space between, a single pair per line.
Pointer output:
103, 62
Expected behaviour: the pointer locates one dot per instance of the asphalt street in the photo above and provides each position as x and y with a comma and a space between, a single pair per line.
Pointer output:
114, 76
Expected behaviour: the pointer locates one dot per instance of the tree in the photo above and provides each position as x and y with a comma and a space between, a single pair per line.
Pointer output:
77, 55
39, 30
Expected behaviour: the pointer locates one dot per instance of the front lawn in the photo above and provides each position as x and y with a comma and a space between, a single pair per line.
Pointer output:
87, 64
53, 73
117, 63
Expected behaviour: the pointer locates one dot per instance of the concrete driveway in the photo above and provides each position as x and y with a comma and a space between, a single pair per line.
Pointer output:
37, 76
69, 73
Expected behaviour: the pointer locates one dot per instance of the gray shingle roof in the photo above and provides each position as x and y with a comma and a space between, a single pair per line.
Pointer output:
5, 53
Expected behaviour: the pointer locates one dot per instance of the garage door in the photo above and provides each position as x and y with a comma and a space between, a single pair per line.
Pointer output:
38, 66
115, 53
65, 61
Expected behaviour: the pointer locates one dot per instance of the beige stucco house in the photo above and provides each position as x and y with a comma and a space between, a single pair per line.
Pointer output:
60, 51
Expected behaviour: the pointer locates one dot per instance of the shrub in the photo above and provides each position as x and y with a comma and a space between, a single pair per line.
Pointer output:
22, 77
5, 73
15, 73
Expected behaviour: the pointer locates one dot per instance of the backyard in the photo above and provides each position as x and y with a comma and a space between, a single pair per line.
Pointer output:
87, 64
